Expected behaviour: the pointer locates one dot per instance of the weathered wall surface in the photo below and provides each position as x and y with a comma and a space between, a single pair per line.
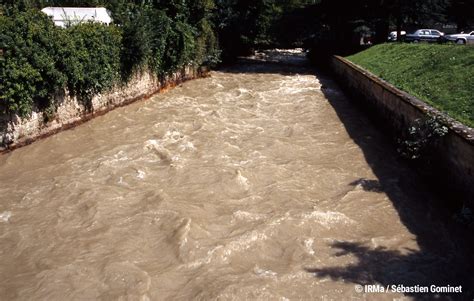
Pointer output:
16, 131
398, 110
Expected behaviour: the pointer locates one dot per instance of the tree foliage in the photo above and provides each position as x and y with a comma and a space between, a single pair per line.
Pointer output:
30, 70
91, 58
37, 59
461, 12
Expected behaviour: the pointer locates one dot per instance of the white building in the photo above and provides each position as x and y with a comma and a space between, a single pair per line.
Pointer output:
65, 16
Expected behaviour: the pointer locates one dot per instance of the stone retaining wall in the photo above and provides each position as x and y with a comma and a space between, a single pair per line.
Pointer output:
398, 110
16, 132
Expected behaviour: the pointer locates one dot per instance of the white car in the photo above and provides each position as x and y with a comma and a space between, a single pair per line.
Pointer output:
461, 38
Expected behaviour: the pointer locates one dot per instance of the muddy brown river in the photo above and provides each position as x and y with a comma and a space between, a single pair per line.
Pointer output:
260, 182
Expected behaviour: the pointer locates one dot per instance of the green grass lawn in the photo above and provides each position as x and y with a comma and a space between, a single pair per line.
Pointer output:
441, 75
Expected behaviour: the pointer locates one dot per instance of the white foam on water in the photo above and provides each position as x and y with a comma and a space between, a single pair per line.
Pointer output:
223, 252
173, 135
298, 275
187, 146
225, 157
150, 144
119, 157
141, 174
308, 243
206, 260
240, 91
328, 218
258, 155
177, 162
145, 109
243, 243
293, 50
243, 181
264, 273
5, 216
244, 215
216, 85
182, 232
279, 220
232, 145
160, 150
378, 242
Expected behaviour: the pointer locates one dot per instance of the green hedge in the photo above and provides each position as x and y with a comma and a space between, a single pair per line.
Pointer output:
91, 58
38, 59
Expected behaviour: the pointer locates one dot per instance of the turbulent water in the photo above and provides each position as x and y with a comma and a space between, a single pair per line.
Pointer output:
261, 181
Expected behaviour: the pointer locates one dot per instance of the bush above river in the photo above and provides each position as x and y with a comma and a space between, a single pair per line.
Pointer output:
38, 59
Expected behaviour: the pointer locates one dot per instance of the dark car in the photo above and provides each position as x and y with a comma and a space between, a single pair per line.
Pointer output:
424, 35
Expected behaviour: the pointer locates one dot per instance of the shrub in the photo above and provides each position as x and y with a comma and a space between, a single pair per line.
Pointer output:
207, 48
152, 39
136, 44
420, 136
29, 69
180, 46
159, 29
91, 59
38, 59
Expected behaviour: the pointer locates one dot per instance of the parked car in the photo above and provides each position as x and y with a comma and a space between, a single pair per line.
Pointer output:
461, 38
424, 35
392, 36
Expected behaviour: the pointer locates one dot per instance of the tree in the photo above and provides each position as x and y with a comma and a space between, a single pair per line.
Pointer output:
461, 12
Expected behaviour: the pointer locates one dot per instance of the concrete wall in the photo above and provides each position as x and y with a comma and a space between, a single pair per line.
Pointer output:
398, 110
16, 132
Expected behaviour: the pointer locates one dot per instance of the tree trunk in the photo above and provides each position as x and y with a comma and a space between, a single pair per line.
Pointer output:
399, 21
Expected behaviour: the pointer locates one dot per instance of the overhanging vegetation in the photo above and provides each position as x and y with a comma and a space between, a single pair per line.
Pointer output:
39, 59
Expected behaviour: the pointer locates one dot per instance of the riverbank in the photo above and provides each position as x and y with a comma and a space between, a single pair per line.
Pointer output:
440, 75
437, 145
52, 78
248, 184
17, 131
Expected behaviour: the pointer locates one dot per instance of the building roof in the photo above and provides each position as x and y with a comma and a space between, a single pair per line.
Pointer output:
63, 16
